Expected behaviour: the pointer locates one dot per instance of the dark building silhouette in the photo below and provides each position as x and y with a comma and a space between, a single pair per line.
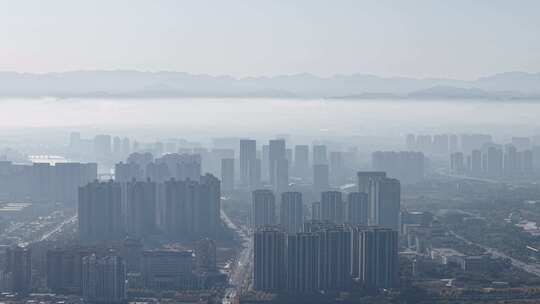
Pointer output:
269, 259
334, 255
366, 177
303, 264
276, 159
248, 156
42, 182
332, 207
385, 202
19, 267
291, 212
125, 172
64, 270
141, 208
100, 212
377, 256
103, 279
131, 253
357, 208
166, 269
326, 257
282, 175
193, 208
384, 198
263, 208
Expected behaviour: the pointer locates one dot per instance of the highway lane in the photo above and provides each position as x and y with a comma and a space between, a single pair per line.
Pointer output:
36, 229
240, 276
58, 228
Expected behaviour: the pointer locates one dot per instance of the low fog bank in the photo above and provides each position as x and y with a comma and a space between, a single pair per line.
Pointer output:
249, 117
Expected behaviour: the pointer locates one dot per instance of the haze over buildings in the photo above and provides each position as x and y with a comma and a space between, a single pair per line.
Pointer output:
269, 152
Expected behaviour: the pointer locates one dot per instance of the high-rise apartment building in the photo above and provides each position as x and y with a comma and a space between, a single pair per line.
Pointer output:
100, 212
276, 156
291, 212
301, 161
302, 263
64, 270
357, 208
255, 174
332, 207
337, 168
365, 178
19, 267
457, 163
141, 208
103, 279
510, 162
334, 255
125, 172
227, 174
265, 162
269, 272
192, 209
263, 208
320, 156
385, 200
281, 175
495, 162
377, 255
189, 167
248, 155
476, 163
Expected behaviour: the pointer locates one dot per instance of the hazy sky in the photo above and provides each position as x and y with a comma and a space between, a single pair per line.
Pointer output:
458, 38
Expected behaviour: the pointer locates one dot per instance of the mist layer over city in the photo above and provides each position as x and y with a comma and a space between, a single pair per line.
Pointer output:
207, 117
269, 152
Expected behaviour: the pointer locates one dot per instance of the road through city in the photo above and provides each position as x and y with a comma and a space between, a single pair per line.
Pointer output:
240, 276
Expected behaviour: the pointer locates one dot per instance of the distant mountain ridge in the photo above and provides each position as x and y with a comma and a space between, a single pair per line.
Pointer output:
511, 85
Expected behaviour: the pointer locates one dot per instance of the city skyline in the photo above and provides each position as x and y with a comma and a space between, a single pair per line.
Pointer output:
269, 152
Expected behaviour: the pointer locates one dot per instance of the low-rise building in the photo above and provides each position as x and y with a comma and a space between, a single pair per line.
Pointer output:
447, 256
